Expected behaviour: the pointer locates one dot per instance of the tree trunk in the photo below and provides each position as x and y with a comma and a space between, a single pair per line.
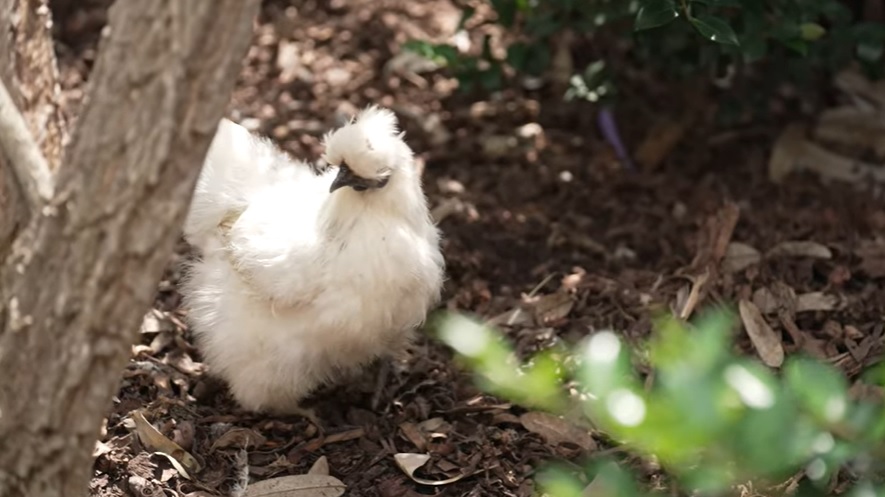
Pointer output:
28, 69
80, 276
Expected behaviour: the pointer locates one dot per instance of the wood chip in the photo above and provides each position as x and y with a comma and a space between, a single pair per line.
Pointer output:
801, 248
239, 438
765, 340
556, 430
817, 301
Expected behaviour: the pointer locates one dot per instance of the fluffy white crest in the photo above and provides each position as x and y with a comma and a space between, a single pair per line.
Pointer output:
371, 145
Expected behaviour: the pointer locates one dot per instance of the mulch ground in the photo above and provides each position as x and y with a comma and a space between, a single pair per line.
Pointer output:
531, 200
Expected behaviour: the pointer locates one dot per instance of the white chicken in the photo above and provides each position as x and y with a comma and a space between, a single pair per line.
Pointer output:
304, 275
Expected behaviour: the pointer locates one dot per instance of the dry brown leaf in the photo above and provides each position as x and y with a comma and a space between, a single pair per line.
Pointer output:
411, 462
849, 125
156, 321
319, 467
787, 150
817, 301
765, 300
556, 430
435, 425
765, 340
100, 449
739, 256
552, 307
297, 486
415, 435
156, 441
240, 438
659, 142
800, 248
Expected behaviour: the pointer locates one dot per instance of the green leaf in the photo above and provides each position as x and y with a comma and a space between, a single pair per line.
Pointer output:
655, 13
797, 45
811, 31
754, 48
819, 388
506, 10
715, 29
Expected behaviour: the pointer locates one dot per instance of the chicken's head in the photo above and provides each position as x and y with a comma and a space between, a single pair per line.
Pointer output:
368, 151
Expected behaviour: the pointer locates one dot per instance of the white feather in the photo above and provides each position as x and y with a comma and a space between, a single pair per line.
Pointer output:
304, 284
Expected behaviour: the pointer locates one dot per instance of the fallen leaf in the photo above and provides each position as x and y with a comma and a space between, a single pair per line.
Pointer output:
817, 301
765, 340
319, 467
239, 438
156, 441
410, 462
297, 486
156, 321
853, 127
411, 432
765, 300
801, 248
739, 256
553, 307
100, 449
556, 430
174, 462
658, 143
786, 151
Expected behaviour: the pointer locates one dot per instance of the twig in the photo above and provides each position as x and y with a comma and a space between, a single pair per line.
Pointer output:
28, 164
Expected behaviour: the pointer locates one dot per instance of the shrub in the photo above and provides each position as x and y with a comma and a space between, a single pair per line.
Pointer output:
711, 418
795, 41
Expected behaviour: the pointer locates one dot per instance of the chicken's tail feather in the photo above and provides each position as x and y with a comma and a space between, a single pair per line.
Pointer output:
237, 165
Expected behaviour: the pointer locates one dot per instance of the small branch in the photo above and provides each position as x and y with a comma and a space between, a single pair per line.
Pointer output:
28, 164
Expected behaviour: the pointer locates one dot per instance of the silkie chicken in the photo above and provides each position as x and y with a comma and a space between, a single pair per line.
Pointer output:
306, 274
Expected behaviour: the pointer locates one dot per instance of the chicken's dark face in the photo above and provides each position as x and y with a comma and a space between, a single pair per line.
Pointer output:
346, 177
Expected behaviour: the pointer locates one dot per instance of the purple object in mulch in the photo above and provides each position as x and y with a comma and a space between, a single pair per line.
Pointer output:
605, 119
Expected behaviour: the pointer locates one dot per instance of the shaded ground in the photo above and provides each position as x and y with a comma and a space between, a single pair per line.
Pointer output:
525, 209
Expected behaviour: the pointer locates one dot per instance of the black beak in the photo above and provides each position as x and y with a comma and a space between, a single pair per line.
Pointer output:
345, 178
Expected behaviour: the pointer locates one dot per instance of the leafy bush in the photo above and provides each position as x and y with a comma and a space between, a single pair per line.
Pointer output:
793, 40
711, 418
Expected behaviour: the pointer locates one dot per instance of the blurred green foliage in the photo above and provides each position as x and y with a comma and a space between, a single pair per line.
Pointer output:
711, 418
768, 41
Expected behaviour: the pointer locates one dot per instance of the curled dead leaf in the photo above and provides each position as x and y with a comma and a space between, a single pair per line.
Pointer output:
297, 486
410, 462
765, 340
157, 442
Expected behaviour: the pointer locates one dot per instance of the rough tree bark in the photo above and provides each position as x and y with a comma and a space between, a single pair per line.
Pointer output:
29, 71
81, 274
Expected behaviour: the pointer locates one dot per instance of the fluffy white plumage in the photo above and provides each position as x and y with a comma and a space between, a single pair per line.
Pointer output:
297, 284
